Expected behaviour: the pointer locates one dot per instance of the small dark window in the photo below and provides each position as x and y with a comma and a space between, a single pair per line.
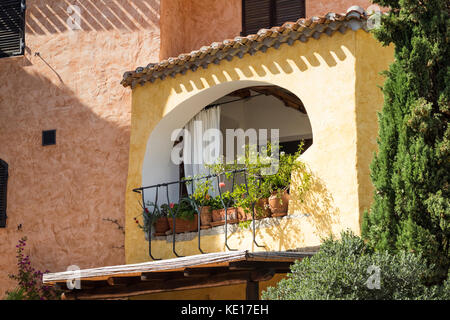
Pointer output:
48, 137
12, 28
3, 192
259, 14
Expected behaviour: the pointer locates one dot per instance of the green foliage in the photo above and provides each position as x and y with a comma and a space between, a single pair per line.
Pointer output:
410, 172
17, 294
260, 184
346, 269
185, 209
227, 200
280, 181
202, 188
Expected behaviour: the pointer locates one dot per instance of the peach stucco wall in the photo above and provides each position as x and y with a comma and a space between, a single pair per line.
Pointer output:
61, 194
322, 7
187, 25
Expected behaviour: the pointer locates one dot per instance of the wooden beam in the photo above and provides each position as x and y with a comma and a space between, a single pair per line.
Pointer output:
204, 272
288, 98
120, 281
155, 276
255, 265
252, 290
241, 93
226, 279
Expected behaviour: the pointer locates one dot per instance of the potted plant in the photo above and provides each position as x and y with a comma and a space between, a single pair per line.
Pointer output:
278, 185
153, 216
251, 197
218, 205
184, 214
203, 201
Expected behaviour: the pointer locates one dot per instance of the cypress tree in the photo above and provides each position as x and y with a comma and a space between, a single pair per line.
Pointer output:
410, 171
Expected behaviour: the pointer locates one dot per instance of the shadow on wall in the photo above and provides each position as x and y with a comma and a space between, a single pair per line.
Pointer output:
59, 194
318, 203
45, 17
278, 65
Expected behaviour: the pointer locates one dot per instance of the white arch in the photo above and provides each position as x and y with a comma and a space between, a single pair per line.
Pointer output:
157, 165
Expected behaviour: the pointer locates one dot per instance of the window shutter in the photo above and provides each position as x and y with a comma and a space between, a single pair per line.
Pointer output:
258, 14
288, 10
3, 192
12, 27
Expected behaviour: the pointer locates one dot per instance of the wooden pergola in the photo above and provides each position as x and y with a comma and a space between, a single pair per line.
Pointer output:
191, 272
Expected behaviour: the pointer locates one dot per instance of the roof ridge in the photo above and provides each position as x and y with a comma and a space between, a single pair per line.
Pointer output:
302, 29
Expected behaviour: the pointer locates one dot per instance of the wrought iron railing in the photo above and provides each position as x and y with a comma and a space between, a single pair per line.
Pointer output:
191, 182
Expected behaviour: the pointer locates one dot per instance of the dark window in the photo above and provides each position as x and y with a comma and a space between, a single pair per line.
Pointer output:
48, 137
259, 14
3, 192
291, 147
12, 28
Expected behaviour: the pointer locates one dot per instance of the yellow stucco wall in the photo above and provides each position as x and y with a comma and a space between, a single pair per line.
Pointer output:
336, 78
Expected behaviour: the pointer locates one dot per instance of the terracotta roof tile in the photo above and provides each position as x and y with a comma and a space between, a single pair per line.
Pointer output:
289, 32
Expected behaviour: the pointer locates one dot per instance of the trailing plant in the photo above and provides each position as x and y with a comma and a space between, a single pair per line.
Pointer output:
29, 280
281, 181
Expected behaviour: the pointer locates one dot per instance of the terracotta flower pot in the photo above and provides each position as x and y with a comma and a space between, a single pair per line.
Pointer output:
243, 215
161, 225
219, 214
205, 215
279, 203
182, 225
262, 209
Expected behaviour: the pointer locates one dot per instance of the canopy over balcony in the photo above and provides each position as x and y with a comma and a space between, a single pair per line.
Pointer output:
192, 272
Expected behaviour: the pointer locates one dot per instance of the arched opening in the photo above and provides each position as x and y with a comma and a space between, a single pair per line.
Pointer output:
243, 105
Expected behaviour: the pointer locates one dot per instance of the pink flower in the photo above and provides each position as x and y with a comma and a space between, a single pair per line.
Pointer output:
222, 185
146, 210
171, 205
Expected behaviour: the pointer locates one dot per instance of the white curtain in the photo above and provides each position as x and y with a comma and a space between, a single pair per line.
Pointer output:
202, 144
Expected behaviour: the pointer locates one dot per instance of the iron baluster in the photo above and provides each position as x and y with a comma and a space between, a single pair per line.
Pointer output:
253, 211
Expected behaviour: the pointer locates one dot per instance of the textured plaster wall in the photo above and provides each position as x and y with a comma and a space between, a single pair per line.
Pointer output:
187, 25
366, 115
322, 7
60, 194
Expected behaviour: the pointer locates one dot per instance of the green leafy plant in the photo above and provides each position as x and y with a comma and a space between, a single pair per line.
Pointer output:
227, 200
348, 269
215, 203
201, 195
281, 181
185, 209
